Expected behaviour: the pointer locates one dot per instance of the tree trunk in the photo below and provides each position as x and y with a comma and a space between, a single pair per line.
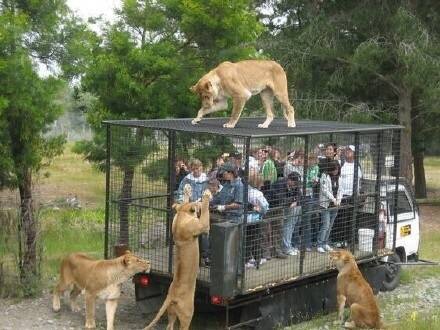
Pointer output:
28, 229
125, 199
419, 175
418, 146
405, 107
126, 190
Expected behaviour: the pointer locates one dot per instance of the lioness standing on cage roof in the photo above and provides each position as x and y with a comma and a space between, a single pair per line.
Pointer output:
240, 81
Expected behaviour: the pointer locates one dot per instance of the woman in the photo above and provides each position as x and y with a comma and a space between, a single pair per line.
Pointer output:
258, 207
329, 199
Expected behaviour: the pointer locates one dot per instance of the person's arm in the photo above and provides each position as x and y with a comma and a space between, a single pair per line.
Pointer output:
180, 190
326, 188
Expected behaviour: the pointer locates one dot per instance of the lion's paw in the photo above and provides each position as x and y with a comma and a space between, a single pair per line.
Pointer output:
207, 195
263, 125
195, 121
229, 125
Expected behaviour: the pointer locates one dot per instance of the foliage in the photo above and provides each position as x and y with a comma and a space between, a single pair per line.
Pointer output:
31, 33
150, 57
380, 59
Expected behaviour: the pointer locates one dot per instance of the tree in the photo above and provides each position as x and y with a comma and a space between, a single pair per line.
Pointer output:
29, 33
148, 60
382, 54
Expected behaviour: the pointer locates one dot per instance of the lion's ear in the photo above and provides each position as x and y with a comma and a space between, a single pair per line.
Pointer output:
126, 259
208, 86
176, 207
193, 89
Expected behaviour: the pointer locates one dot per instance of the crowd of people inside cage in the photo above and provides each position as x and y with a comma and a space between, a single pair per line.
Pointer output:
284, 213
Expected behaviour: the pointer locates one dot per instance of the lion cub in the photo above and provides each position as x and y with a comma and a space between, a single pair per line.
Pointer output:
99, 278
352, 289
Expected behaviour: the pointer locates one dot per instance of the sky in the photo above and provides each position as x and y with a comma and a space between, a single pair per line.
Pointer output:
87, 8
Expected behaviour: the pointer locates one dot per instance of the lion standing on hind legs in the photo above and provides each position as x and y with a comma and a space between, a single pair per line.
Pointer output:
186, 228
240, 81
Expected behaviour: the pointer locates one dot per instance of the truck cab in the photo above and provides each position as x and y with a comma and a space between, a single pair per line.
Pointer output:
407, 226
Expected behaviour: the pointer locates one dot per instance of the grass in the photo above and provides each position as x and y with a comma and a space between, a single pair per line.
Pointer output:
65, 231
432, 172
70, 175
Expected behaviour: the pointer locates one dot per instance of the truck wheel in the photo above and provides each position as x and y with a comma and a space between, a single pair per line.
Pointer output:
392, 274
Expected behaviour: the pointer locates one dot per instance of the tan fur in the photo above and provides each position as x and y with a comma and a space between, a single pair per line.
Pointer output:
240, 81
353, 290
99, 278
186, 227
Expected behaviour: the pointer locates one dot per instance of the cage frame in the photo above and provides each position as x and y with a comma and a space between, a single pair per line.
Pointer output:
247, 130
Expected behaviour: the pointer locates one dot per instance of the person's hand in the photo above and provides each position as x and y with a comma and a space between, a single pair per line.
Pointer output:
257, 208
294, 204
334, 201
221, 208
338, 202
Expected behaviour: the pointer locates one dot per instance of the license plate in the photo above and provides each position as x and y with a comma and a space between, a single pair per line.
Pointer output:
405, 230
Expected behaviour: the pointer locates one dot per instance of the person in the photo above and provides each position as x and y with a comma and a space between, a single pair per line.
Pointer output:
310, 204
275, 155
229, 200
268, 169
235, 158
288, 191
330, 153
197, 179
342, 226
294, 163
258, 206
214, 187
253, 160
181, 172
220, 160
329, 199
347, 173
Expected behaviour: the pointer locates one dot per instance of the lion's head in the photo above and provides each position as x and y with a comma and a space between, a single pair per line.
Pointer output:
205, 91
135, 264
340, 258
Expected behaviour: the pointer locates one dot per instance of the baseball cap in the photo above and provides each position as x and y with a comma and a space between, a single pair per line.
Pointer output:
228, 167
351, 147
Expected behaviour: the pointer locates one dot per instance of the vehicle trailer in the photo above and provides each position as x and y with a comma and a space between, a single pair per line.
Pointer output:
246, 275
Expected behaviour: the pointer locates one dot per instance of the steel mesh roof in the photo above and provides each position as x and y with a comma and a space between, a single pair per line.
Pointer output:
247, 127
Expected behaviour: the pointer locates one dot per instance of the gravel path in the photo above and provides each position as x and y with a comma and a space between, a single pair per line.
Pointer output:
36, 313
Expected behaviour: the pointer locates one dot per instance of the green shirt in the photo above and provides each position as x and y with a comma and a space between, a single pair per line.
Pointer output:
269, 171
312, 175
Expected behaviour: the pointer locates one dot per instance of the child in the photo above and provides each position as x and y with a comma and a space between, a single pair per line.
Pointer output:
329, 198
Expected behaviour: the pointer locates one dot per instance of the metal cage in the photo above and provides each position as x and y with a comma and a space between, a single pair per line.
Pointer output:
310, 208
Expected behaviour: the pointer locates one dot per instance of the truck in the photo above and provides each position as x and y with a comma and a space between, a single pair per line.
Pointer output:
378, 223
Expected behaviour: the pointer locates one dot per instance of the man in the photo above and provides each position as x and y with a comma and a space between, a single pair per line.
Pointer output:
229, 200
343, 226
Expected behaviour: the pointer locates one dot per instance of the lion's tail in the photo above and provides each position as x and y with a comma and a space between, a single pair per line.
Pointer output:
159, 314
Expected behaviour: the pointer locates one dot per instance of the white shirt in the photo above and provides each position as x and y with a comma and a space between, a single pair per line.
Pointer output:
346, 179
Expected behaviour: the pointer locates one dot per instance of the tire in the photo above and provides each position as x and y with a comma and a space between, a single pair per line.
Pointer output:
392, 274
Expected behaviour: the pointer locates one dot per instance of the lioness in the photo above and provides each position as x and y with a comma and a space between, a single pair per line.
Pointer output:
99, 278
352, 289
186, 228
240, 81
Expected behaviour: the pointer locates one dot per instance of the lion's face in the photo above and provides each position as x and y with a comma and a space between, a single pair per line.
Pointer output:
340, 258
205, 92
136, 264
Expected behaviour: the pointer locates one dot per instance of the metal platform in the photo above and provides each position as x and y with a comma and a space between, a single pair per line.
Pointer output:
248, 127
